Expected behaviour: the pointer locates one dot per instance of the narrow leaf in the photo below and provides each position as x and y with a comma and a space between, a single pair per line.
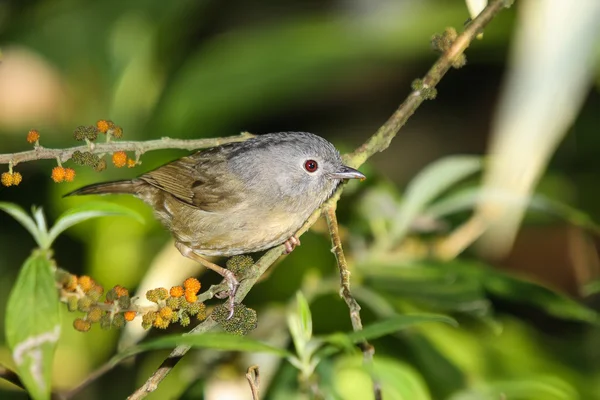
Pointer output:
395, 324
32, 324
87, 211
305, 316
215, 341
554, 303
40, 221
429, 184
24, 219
467, 199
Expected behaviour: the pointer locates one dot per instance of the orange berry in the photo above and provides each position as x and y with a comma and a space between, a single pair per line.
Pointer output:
58, 174
7, 179
190, 297
117, 131
71, 284
103, 125
33, 136
86, 283
121, 291
162, 293
17, 178
129, 315
161, 323
69, 174
82, 325
119, 158
176, 291
131, 163
166, 312
192, 285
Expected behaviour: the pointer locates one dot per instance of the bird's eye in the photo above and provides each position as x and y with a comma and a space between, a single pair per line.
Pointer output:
311, 165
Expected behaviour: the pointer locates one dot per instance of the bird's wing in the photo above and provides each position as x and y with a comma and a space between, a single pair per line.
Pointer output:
200, 180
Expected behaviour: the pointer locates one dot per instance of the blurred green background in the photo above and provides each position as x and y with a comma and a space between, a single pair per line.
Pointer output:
338, 68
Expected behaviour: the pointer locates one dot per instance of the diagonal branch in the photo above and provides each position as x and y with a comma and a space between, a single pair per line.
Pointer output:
384, 135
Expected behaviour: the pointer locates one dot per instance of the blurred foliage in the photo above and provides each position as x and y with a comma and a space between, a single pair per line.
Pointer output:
188, 69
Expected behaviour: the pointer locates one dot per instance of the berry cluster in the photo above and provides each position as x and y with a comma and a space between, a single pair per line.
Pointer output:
120, 159
242, 321
109, 128
89, 159
62, 174
175, 305
87, 133
239, 264
11, 178
83, 294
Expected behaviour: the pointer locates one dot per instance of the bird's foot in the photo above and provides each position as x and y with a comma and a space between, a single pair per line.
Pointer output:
233, 284
291, 244
228, 276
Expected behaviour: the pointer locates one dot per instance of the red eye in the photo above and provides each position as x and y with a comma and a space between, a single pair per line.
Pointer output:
311, 166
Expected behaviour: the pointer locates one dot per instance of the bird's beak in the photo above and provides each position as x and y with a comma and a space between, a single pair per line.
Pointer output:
347, 173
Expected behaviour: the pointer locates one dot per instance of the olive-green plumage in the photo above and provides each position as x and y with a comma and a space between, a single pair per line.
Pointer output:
240, 197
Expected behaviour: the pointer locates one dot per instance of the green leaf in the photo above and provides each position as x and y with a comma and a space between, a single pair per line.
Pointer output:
467, 199
87, 211
393, 325
20, 215
523, 291
428, 285
537, 387
429, 184
398, 381
32, 324
40, 221
215, 341
300, 325
305, 315
591, 288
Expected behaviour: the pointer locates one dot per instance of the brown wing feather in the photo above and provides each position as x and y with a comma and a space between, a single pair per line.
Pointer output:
200, 180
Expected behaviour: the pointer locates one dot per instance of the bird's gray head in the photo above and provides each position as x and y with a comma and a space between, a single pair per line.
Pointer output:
291, 165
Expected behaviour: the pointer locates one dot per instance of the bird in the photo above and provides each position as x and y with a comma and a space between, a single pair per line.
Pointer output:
240, 197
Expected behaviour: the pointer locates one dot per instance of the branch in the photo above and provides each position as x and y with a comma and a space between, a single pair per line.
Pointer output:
383, 137
254, 380
367, 349
140, 147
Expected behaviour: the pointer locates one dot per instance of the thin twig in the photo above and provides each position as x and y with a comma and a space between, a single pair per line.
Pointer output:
254, 381
367, 349
140, 147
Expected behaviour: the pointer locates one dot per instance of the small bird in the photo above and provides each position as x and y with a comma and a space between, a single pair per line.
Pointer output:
240, 197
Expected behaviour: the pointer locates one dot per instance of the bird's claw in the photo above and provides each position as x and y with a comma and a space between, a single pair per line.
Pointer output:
291, 244
233, 284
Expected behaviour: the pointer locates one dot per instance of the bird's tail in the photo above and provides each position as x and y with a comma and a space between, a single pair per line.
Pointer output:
116, 187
